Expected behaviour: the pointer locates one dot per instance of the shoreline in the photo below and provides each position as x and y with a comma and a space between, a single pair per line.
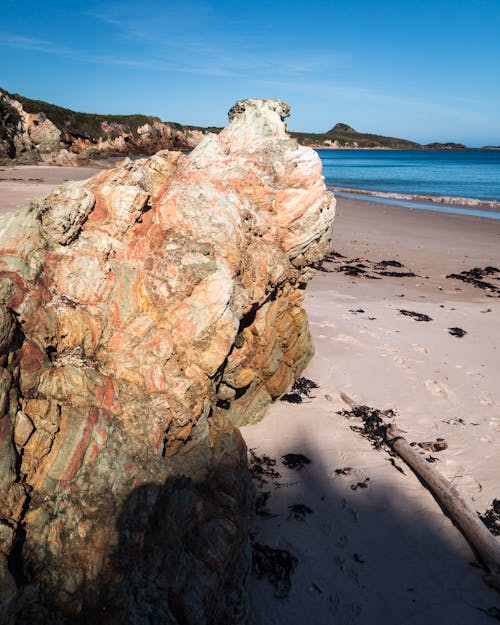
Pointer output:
20, 183
433, 199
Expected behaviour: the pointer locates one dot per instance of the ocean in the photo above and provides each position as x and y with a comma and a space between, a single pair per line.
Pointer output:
458, 175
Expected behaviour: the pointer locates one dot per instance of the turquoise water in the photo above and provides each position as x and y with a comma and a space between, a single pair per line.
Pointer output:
461, 173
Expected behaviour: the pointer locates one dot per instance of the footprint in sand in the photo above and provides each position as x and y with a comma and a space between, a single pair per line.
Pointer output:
419, 348
436, 389
485, 401
465, 483
326, 529
468, 484
344, 338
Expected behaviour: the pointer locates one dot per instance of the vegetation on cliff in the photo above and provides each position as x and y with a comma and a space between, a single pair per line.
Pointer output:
85, 125
90, 125
9, 118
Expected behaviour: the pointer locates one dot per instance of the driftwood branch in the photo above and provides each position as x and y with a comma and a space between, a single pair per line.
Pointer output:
486, 546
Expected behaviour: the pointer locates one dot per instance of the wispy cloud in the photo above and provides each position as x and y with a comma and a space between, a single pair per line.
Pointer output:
143, 20
188, 55
216, 45
21, 42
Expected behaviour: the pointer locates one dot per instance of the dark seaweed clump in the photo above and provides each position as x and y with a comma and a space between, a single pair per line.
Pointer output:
363, 484
295, 461
415, 315
398, 274
458, 332
262, 469
374, 428
343, 471
261, 502
491, 517
476, 277
353, 270
381, 269
360, 267
301, 388
275, 565
298, 511
333, 255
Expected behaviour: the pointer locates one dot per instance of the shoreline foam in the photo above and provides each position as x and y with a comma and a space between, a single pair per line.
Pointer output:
435, 199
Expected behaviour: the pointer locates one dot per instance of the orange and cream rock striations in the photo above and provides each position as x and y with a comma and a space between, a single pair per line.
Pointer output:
144, 314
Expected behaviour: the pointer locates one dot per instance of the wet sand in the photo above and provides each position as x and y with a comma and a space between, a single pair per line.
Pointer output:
372, 545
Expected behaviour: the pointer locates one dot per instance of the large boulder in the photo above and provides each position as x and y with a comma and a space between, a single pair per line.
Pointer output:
144, 314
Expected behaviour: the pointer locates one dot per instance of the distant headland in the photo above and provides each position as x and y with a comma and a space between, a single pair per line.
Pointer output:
344, 136
32, 131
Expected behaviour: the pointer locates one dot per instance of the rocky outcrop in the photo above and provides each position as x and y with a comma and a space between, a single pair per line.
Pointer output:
144, 313
32, 131
25, 136
148, 138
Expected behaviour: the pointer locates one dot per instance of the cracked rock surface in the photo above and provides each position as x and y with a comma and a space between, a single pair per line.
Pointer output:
144, 314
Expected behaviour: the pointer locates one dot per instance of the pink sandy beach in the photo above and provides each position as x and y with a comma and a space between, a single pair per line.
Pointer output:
382, 553
385, 553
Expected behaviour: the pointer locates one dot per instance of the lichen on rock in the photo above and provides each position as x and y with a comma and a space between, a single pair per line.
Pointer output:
144, 315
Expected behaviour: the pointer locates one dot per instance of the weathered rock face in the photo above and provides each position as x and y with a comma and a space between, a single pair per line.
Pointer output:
149, 139
144, 313
25, 136
31, 137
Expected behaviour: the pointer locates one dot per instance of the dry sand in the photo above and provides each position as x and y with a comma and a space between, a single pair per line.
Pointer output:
385, 553
22, 183
382, 553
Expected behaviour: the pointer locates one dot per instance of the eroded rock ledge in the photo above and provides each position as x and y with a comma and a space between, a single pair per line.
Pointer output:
144, 314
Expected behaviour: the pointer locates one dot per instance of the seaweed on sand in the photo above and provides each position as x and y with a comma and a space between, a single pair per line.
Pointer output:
491, 517
275, 565
374, 428
301, 388
261, 502
360, 267
397, 274
295, 461
262, 469
458, 332
476, 276
298, 511
415, 315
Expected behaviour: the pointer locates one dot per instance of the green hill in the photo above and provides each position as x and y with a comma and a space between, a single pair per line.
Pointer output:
344, 136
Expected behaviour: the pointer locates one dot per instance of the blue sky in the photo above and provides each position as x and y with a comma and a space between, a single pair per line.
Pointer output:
426, 70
